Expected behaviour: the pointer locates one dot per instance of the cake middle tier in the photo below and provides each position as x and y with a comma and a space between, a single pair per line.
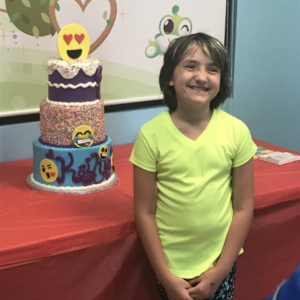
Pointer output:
71, 125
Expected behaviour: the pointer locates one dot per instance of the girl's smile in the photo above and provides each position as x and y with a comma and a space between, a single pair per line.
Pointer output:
196, 79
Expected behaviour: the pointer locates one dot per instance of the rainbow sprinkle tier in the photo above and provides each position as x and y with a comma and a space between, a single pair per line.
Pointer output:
58, 120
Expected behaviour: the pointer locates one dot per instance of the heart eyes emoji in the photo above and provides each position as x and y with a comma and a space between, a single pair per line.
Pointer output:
78, 37
73, 42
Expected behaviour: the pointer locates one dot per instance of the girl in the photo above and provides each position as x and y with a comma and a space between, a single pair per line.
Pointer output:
200, 160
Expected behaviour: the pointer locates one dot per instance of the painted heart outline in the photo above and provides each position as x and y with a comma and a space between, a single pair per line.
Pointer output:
105, 32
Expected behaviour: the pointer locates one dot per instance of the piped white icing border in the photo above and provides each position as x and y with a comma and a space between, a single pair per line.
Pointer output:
104, 184
71, 86
72, 103
69, 69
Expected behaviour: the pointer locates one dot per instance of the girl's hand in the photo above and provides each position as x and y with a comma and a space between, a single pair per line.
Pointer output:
177, 289
207, 284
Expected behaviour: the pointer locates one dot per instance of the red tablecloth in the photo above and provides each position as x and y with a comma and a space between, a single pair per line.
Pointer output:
60, 247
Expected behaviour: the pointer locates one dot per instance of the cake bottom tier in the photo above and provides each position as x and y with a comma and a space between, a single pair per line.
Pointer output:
72, 169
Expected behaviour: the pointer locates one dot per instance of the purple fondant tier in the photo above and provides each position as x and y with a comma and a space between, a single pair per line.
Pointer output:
70, 95
87, 88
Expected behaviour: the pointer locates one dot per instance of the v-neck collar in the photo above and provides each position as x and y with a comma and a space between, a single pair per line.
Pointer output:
184, 138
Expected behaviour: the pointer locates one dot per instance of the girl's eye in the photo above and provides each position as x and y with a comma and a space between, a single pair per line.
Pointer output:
190, 66
213, 70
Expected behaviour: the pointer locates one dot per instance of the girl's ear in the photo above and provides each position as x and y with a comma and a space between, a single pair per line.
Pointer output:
171, 82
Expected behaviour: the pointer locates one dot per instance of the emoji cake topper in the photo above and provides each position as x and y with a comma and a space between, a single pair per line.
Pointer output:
73, 42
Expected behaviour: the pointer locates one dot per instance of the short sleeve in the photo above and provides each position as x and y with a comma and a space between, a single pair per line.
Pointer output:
143, 153
246, 148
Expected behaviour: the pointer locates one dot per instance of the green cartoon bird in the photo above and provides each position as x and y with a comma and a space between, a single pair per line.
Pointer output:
170, 28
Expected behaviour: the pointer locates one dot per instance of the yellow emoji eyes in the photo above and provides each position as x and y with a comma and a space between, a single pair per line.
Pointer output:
103, 152
73, 42
83, 136
68, 38
48, 170
78, 37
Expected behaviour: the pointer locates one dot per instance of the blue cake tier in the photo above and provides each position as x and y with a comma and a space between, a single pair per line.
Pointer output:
75, 169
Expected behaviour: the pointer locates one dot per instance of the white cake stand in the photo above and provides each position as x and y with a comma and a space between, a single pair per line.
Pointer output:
83, 190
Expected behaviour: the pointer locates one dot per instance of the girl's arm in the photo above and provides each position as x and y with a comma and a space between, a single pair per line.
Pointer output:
242, 198
145, 207
243, 202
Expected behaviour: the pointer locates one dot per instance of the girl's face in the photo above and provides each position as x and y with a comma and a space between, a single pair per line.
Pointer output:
196, 79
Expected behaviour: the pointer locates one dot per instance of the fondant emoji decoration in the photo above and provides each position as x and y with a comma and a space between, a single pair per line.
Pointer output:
103, 152
73, 42
48, 170
112, 163
83, 136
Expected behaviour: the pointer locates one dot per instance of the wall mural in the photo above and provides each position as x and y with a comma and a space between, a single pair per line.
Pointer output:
129, 37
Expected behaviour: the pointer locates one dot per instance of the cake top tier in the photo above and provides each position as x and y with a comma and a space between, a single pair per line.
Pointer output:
69, 69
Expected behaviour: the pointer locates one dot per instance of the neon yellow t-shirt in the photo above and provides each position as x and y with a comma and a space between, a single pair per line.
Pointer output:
194, 208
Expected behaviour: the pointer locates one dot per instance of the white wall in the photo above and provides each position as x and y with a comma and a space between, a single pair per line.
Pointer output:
267, 70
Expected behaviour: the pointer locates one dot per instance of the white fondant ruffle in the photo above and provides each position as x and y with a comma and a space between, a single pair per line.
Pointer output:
74, 103
69, 69
113, 179
71, 86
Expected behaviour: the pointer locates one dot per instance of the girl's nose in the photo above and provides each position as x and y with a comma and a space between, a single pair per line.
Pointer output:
201, 75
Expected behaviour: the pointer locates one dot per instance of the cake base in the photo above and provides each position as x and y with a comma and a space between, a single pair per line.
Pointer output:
75, 168
96, 188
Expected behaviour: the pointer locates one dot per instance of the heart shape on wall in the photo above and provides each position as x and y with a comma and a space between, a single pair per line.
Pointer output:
105, 32
83, 6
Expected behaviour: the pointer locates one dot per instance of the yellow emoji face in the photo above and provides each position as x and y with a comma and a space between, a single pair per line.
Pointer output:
73, 42
48, 170
112, 163
83, 136
103, 152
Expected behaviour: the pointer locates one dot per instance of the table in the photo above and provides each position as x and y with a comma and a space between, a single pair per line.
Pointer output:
60, 247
